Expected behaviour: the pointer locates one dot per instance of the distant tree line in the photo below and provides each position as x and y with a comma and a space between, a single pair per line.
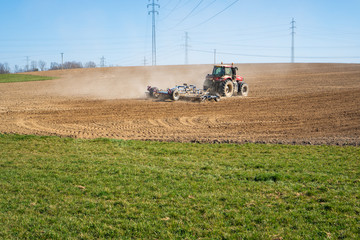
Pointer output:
4, 68
71, 65
41, 66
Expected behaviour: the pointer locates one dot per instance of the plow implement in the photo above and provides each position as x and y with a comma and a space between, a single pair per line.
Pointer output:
182, 92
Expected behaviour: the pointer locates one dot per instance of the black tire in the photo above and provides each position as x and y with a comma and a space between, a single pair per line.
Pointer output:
175, 95
217, 99
227, 88
244, 90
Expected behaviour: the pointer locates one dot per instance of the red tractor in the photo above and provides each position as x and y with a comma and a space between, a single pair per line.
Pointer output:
224, 82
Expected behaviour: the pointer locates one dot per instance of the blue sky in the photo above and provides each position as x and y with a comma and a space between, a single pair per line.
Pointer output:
246, 32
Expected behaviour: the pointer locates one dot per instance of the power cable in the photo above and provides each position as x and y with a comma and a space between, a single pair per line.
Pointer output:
207, 20
353, 57
190, 12
182, 20
211, 3
272, 56
167, 4
171, 11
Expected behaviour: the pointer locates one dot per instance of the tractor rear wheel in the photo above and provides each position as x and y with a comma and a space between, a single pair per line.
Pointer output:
227, 88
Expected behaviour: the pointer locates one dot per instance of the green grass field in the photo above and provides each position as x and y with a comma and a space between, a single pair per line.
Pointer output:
8, 78
61, 188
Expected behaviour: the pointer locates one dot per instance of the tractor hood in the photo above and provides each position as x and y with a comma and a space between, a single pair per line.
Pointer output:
212, 77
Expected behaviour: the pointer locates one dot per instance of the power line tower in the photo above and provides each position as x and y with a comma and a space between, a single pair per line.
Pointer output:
153, 6
145, 61
186, 48
62, 61
292, 40
27, 63
102, 61
214, 56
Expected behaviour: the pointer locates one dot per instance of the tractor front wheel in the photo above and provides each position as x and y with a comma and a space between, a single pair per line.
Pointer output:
227, 88
244, 90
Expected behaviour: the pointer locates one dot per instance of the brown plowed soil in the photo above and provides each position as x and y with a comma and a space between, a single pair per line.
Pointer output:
287, 103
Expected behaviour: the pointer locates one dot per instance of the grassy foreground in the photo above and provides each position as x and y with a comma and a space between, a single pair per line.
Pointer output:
60, 188
8, 78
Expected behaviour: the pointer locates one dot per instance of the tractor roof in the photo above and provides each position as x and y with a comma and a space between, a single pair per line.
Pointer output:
223, 65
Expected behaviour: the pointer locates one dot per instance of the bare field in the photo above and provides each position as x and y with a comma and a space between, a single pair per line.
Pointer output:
287, 103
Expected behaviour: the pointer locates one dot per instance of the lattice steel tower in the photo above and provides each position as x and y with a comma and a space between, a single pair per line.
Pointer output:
153, 6
292, 40
186, 48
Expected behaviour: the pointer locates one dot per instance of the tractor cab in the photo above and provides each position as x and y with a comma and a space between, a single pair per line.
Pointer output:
225, 70
218, 71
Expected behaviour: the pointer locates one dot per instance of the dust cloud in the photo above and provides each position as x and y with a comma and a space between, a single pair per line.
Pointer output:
126, 82
132, 82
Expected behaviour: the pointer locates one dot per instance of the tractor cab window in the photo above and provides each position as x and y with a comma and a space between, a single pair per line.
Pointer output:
228, 71
234, 70
218, 71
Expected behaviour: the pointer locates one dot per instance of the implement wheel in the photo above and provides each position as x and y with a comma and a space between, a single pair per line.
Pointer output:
153, 93
175, 95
